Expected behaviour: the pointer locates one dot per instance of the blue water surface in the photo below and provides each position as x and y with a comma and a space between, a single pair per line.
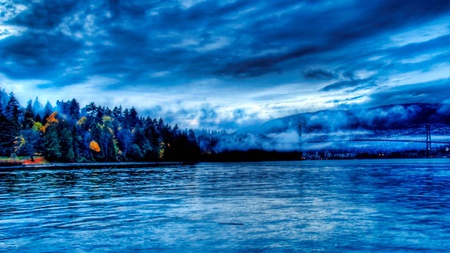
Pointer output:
306, 206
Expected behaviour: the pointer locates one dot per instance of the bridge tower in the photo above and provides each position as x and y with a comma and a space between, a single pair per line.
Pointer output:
428, 140
300, 139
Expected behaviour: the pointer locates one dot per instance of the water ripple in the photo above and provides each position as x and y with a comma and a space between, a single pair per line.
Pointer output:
351, 206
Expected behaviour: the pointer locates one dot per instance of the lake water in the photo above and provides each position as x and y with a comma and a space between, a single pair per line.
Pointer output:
307, 206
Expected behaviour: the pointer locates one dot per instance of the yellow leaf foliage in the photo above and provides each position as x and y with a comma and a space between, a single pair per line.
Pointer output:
22, 141
81, 121
161, 150
94, 146
110, 131
37, 126
106, 119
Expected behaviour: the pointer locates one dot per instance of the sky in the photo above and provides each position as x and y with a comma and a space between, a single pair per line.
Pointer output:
226, 64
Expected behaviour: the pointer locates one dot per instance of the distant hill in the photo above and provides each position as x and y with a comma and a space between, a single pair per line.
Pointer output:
375, 131
389, 117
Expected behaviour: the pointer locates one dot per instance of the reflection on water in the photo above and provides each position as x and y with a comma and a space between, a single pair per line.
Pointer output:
382, 205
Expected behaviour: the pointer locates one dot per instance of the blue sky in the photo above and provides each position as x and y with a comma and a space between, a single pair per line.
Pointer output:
226, 64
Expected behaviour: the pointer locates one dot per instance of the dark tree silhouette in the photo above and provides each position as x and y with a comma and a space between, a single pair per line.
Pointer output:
68, 133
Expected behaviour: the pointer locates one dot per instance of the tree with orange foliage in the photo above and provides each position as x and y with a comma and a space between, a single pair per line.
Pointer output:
94, 146
50, 120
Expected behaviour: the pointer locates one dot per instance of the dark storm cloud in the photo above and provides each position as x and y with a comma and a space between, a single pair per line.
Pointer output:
327, 46
432, 92
308, 32
44, 15
238, 39
318, 74
37, 55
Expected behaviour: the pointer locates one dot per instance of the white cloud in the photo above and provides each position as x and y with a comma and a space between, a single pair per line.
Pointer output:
21, 88
422, 34
189, 3
196, 43
9, 30
90, 30
160, 74
9, 10
420, 58
437, 72
218, 43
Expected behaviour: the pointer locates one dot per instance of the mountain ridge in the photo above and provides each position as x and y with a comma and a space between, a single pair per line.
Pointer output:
394, 116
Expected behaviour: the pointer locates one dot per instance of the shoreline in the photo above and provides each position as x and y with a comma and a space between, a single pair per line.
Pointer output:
55, 166
94, 165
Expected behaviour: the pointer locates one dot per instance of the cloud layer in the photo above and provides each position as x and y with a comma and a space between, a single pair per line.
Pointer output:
226, 63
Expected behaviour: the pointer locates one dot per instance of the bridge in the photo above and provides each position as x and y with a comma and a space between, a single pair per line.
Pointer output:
415, 138
374, 140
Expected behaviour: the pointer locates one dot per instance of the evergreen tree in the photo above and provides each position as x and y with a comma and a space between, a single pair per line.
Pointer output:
52, 144
37, 108
12, 110
66, 142
132, 118
117, 112
48, 109
125, 117
8, 135
74, 109
29, 115
106, 140
136, 153
38, 118
107, 146
31, 138
4, 98
125, 140
77, 144
91, 109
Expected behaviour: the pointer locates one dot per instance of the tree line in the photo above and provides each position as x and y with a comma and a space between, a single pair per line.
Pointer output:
68, 133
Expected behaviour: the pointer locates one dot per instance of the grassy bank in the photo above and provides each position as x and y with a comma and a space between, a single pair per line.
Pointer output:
22, 160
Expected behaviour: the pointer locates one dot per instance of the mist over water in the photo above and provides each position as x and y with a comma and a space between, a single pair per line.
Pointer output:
338, 129
332, 206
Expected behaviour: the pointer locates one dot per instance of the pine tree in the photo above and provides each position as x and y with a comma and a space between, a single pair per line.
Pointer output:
31, 138
48, 109
74, 109
67, 153
136, 153
29, 115
77, 143
37, 108
125, 140
12, 110
8, 134
132, 118
4, 98
52, 144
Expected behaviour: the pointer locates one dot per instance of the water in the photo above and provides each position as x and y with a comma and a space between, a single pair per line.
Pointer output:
321, 206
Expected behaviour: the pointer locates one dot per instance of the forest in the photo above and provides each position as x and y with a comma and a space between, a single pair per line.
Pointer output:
68, 133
